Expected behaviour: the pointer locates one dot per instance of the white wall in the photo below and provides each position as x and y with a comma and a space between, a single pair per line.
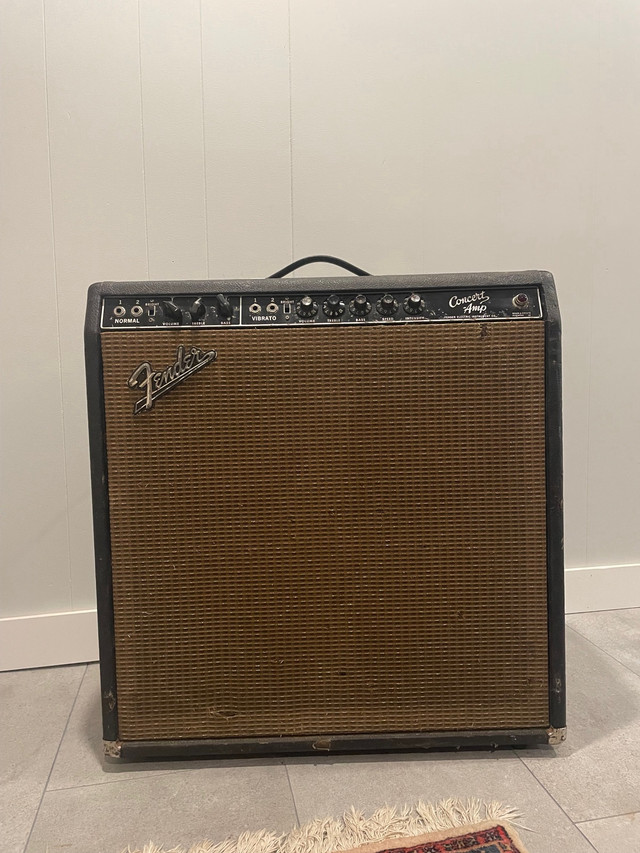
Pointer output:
167, 140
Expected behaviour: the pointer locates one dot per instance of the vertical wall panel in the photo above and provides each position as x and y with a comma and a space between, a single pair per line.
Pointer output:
614, 423
439, 136
171, 71
93, 66
246, 101
34, 541
359, 120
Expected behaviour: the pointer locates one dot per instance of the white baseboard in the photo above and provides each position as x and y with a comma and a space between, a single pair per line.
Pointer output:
48, 639
602, 588
53, 639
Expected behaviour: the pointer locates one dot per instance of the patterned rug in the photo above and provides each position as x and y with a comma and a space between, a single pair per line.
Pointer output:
450, 826
482, 838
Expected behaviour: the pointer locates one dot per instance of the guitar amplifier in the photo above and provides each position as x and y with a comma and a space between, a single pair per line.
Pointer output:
327, 513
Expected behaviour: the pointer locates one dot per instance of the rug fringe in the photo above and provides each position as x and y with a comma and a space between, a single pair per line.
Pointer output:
354, 828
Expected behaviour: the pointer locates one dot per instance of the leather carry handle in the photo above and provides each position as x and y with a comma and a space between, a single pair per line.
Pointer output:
319, 259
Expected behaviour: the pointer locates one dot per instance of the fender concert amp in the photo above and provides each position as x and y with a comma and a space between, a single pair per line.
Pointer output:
327, 512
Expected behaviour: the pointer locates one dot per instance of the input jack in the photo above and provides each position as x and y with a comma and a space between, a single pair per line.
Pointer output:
136, 310
119, 311
273, 308
254, 308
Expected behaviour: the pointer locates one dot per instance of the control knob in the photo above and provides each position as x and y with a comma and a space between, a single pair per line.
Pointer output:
360, 306
413, 304
225, 308
333, 306
172, 311
198, 309
306, 307
388, 305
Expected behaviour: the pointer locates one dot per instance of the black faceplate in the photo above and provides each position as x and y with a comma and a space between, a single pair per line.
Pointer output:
286, 308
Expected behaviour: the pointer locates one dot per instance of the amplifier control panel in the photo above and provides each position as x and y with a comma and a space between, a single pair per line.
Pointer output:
280, 308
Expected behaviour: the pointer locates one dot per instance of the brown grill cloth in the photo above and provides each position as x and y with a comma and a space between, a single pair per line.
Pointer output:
330, 529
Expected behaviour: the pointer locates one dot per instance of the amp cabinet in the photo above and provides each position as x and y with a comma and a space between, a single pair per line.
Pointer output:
327, 513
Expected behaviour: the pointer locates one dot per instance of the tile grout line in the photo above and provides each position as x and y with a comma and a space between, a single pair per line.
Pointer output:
55, 758
580, 823
604, 651
603, 609
579, 828
293, 798
572, 822
130, 777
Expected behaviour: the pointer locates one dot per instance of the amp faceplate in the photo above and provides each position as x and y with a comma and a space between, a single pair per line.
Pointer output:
330, 529
418, 304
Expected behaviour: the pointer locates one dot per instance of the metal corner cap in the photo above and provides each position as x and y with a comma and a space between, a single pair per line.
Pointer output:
557, 736
112, 748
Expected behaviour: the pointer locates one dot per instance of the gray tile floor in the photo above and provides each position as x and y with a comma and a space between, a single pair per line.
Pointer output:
57, 797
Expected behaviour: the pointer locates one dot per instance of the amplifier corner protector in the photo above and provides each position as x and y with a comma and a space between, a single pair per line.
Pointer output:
557, 736
112, 748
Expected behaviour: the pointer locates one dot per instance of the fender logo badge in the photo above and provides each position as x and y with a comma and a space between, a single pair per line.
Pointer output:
156, 383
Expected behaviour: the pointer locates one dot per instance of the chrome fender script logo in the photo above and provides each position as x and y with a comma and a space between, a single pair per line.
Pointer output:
155, 383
